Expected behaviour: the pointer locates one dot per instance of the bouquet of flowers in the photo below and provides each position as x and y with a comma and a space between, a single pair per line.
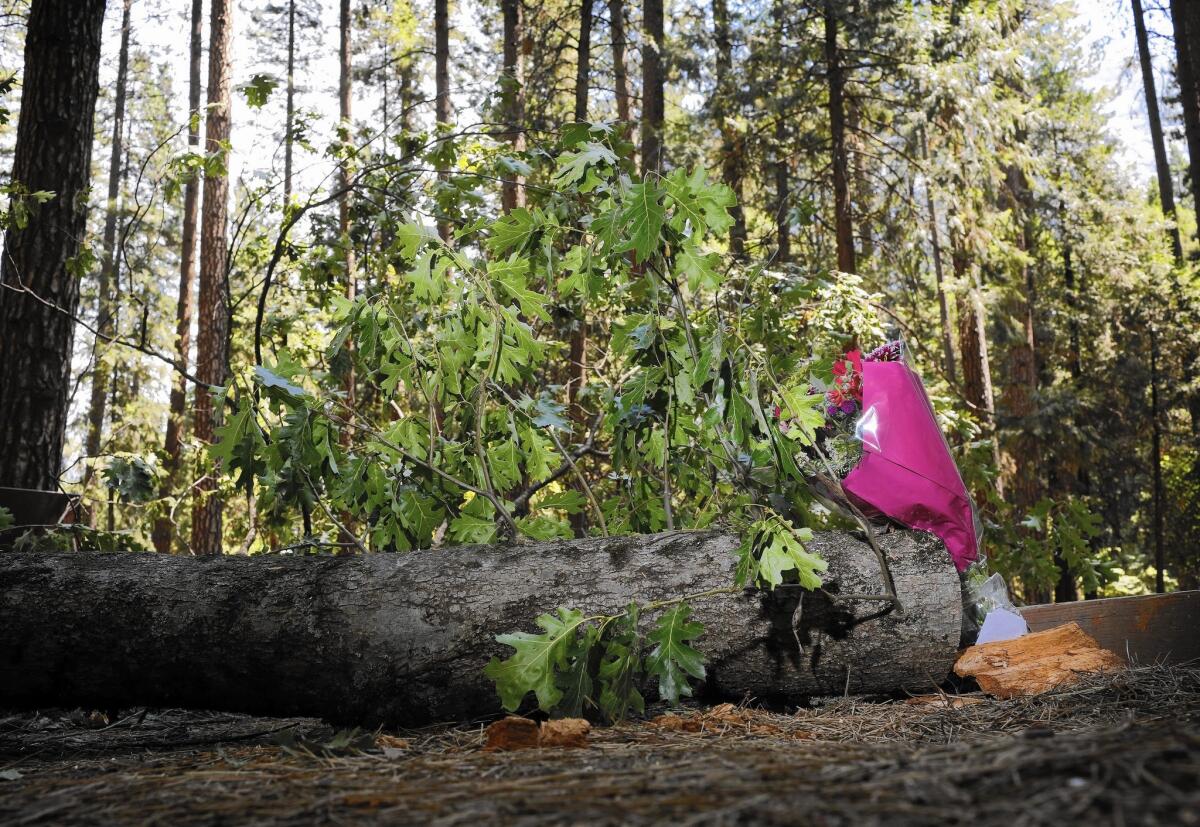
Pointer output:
882, 455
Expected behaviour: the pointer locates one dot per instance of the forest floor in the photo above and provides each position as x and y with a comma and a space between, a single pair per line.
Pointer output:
1118, 749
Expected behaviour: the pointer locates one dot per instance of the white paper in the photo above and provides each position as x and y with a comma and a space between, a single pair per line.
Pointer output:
1001, 624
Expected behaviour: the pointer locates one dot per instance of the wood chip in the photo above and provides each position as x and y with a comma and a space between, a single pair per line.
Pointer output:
566, 732
515, 733
1035, 663
511, 733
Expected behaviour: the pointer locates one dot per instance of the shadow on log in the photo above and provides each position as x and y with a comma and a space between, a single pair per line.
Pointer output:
403, 638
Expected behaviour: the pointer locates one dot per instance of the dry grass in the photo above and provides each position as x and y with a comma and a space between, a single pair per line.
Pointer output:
1117, 749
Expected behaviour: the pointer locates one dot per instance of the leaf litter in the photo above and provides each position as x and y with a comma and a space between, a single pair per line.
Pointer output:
1116, 748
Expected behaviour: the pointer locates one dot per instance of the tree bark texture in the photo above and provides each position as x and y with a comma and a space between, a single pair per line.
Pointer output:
653, 104
935, 245
843, 224
345, 134
53, 152
403, 639
583, 65
1162, 166
512, 193
1185, 17
212, 346
732, 141
173, 439
289, 124
105, 300
441, 75
616, 17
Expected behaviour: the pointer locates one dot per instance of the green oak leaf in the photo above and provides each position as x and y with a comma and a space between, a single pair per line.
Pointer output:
573, 165
513, 231
536, 659
672, 660
239, 446
620, 667
569, 501
269, 379
644, 213
545, 527
781, 549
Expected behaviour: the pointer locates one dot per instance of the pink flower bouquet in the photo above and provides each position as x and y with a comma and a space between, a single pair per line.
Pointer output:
883, 442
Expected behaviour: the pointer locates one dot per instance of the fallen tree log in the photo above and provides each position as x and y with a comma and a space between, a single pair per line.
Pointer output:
403, 638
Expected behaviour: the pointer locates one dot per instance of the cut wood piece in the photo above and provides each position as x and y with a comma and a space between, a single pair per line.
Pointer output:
511, 733
1144, 629
403, 638
564, 732
1035, 663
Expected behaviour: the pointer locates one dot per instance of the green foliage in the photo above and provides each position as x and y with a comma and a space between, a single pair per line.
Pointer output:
258, 90
132, 478
574, 655
539, 659
672, 660
772, 549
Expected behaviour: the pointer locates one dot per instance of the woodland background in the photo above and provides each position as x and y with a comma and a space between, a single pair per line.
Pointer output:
953, 157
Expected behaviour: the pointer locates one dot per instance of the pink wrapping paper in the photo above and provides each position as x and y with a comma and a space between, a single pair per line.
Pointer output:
906, 471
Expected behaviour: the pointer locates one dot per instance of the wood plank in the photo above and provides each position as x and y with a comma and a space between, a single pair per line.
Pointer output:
1142, 629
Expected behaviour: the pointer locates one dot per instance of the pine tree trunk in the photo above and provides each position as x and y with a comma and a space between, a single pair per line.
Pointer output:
935, 244
212, 357
1185, 17
105, 300
653, 105
403, 638
53, 153
731, 141
843, 224
973, 346
289, 125
172, 442
577, 369
1022, 384
583, 63
1166, 190
783, 221
1156, 465
782, 172
512, 193
441, 74
616, 16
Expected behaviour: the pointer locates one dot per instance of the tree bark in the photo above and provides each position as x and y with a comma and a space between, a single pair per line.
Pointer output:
403, 639
105, 300
1166, 190
289, 126
731, 139
616, 16
583, 63
172, 441
653, 105
935, 244
345, 130
1156, 465
783, 221
843, 224
212, 355
441, 75
512, 193
53, 153
1185, 18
